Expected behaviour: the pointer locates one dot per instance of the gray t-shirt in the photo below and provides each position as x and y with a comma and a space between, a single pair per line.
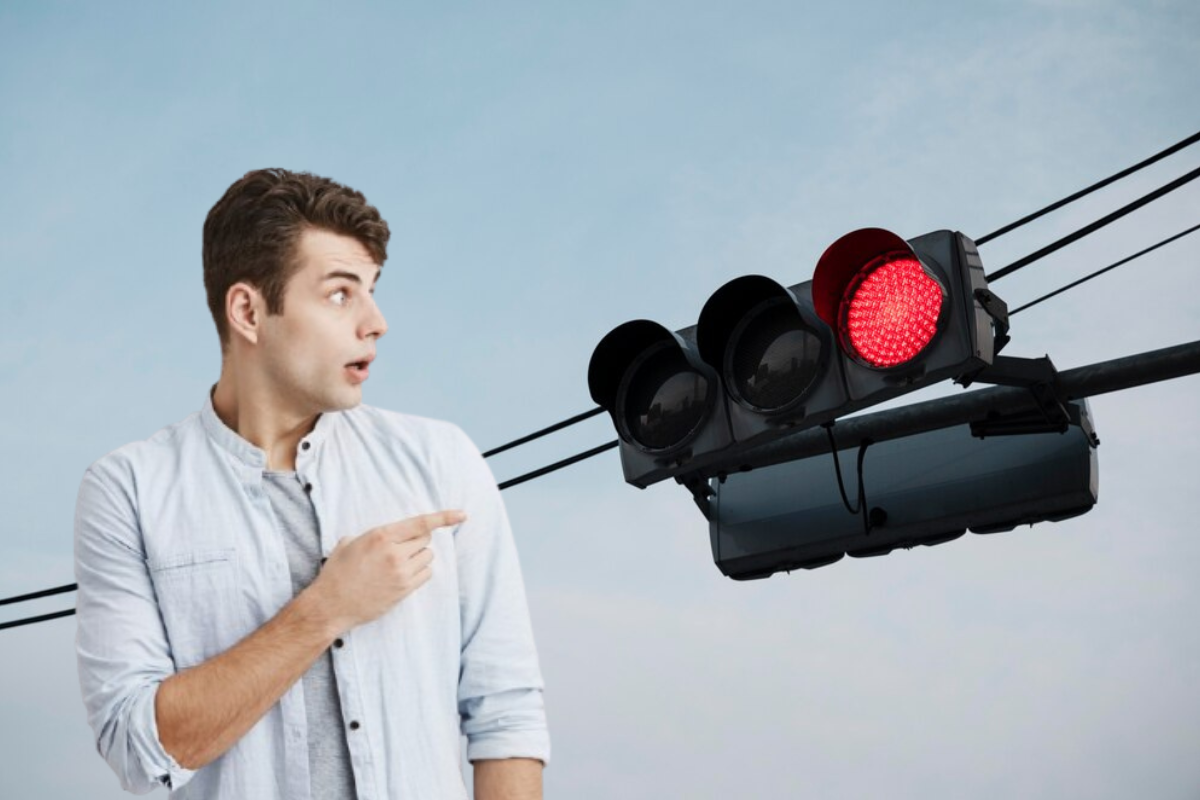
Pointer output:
328, 756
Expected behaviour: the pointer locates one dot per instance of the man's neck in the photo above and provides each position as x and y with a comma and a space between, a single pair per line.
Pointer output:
261, 424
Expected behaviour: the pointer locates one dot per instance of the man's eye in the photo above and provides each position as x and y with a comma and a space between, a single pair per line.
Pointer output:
341, 292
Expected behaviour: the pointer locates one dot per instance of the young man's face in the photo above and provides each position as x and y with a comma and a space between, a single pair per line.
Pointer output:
329, 321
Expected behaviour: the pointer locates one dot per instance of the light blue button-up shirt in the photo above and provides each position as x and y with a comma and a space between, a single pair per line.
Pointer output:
178, 557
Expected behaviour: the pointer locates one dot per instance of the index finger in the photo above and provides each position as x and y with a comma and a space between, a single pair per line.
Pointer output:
423, 524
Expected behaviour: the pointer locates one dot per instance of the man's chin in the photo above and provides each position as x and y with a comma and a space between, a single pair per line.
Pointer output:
344, 401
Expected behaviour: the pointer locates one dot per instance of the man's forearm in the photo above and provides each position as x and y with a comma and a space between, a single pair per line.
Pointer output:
203, 711
508, 779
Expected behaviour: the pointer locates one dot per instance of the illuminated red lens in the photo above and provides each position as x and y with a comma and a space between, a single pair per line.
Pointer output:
891, 313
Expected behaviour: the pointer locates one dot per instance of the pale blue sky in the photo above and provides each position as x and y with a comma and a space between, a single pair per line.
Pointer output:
552, 170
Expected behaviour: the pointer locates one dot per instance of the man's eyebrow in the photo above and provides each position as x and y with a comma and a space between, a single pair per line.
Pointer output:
350, 276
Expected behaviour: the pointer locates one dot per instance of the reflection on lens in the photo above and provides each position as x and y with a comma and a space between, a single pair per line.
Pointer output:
773, 357
666, 400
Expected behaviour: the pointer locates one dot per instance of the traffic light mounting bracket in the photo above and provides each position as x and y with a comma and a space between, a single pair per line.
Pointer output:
700, 490
997, 309
1052, 414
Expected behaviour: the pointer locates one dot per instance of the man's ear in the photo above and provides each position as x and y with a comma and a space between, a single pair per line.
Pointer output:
244, 310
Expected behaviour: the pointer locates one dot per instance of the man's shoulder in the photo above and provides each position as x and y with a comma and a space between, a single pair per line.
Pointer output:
162, 447
425, 448
425, 433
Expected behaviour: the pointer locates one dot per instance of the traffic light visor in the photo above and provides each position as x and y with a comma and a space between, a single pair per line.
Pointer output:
768, 355
658, 392
884, 303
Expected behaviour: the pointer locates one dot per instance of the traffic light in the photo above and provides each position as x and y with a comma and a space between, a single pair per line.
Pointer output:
665, 401
777, 360
880, 317
906, 313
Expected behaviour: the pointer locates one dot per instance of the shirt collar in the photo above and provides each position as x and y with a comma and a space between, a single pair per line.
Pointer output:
252, 455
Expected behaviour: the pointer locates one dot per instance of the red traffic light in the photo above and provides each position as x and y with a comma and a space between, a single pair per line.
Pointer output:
884, 303
890, 312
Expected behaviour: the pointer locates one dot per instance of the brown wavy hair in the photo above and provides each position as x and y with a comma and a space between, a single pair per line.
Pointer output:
251, 234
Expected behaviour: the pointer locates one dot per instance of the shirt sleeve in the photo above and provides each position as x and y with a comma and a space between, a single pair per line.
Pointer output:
500, 682
120, 644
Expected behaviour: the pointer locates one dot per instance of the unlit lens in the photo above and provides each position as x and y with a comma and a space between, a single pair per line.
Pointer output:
774, 357
666, 400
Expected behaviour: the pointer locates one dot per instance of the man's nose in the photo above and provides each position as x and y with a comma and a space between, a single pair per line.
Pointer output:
375, 324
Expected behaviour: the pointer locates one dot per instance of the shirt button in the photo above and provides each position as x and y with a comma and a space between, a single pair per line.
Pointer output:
305, 445
354, 725
308, 487
338, 643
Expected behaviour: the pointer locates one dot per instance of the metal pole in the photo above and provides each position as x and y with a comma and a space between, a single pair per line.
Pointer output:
1081, 382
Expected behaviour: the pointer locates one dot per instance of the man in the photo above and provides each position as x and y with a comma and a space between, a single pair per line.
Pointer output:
290, 594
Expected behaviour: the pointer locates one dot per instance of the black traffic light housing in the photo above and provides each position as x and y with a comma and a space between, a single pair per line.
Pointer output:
665, 401
777, 360
959, 340
713, 406
766, 360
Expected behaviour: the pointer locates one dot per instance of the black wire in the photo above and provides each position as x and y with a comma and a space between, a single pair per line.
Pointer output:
1100, 272
837, 468
35, 595
1195, 137
16, 623
1095, 226
536, 434
862, 487
566, 462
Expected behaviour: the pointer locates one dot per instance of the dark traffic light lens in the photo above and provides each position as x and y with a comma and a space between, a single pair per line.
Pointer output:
773, 357
891, 312
666, 399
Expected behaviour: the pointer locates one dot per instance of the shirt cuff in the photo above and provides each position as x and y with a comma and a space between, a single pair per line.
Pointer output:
510, 744
160, 767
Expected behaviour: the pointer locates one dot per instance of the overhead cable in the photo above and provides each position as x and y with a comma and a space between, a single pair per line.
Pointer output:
1094, 226
1195, 137
70, 587
16, 623
1100, 272
566, 462
538, 434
